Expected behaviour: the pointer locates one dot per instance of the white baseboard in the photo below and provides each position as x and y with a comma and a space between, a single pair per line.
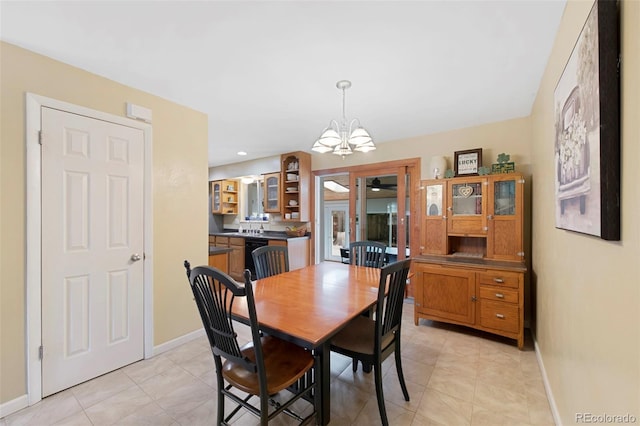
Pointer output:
167, 346
547, 385
14, 405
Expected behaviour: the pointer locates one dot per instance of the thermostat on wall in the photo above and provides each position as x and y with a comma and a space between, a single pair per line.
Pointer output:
139, 113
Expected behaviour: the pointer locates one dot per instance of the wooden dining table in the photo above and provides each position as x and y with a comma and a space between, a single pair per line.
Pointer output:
308, 306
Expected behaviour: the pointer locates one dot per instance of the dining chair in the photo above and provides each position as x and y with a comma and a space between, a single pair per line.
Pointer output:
367, 253
263, 367
372, 339
270, 260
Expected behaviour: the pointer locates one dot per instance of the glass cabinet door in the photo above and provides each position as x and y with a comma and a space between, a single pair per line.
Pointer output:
216, 206
504, 217
466, 199
272, 193
504, 201
466, 206
434, 219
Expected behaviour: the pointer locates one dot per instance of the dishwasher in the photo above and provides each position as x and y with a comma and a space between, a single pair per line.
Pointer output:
250, 244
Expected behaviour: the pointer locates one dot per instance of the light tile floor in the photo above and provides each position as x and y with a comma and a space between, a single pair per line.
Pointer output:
455, 376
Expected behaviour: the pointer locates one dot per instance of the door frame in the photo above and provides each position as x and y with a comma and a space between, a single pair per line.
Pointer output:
412, 166
34, 104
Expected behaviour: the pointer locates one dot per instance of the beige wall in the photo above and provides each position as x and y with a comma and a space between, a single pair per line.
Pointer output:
179, 200
588, 304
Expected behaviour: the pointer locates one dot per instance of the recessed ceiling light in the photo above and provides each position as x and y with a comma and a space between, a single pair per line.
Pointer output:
242, 153
334, 186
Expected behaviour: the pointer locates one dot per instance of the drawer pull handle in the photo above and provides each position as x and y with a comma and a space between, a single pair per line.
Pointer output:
500, 295
498, 280
500, 316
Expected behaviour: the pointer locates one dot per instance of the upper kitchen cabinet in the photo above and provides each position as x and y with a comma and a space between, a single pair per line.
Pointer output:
216, 197
224, 196
272, 189
296, 182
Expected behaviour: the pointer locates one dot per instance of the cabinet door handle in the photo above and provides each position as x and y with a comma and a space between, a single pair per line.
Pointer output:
500, 295
474, 298
490, 216
500, 316
498, 280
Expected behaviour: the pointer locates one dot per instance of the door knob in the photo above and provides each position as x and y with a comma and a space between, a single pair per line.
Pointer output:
135, 257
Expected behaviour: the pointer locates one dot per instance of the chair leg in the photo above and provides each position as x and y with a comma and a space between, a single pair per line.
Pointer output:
400, 373
354, 365
379, 394
220, 407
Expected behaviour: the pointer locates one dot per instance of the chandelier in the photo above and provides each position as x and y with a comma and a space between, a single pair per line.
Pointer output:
343, 138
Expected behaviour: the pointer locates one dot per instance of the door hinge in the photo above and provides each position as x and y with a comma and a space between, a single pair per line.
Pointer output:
40, 137
520, 181
520, 253
41, 352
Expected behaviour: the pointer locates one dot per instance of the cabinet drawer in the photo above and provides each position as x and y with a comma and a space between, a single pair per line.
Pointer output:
499, 294
236, 241
499, 316
222, 241
500, 278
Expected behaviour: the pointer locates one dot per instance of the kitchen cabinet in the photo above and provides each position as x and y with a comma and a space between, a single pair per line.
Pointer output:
297, 249
296, 187
219, 259
224, 196
471, 267
271, 192
229, 196
216, 197
236, 255
236, 258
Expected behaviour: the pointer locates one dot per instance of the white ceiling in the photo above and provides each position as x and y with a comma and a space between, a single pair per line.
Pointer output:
265, 72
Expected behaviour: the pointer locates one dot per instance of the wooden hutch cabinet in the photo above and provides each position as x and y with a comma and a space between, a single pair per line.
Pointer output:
471, 265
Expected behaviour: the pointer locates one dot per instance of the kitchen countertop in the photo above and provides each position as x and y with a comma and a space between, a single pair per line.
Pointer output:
268, 235
213, 250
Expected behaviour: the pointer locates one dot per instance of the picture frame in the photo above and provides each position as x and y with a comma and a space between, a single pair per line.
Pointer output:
587, 129
467, 163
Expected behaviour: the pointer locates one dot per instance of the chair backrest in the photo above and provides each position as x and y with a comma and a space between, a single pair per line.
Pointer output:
270, 260
367, 253
389, 307
215, 293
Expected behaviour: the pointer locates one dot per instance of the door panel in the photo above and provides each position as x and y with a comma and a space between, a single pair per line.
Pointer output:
92, 225
379, 209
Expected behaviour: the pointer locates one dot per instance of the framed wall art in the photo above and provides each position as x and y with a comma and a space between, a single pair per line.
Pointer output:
466, 163
587, 136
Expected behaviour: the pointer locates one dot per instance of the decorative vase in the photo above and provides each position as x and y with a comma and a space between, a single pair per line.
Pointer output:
437, 167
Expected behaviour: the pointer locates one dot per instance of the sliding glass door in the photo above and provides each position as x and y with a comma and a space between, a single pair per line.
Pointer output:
370, 202
379, 209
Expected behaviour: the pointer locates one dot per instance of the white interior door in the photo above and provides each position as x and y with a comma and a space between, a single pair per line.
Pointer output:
92, 238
